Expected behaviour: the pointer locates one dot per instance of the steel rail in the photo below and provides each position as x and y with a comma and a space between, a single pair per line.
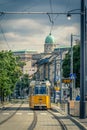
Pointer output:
34, 122
63, 126
76, 122
3, 121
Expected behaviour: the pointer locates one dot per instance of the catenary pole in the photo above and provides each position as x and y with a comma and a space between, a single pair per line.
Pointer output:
71, 69
82, 62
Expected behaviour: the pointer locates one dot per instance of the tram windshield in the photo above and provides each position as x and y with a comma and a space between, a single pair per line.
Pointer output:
40, 89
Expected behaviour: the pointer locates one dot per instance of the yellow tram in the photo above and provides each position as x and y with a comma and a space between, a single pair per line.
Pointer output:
39, 97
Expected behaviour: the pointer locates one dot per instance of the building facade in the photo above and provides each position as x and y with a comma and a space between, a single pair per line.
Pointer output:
26, 57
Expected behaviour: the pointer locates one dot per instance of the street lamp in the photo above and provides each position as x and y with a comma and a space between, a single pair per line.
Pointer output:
70, 12
82, 57
60, 76
68, 16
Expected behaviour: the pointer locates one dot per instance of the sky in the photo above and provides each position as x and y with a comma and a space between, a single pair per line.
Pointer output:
28, 31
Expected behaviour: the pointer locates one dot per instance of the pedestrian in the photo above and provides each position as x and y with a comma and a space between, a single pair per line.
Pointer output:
77, 98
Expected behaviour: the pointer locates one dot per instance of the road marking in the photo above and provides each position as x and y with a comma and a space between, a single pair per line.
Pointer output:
5, 113
30, 113
57, 114
43, 113
18, 113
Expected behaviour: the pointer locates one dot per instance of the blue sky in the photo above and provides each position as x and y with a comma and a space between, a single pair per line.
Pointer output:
20, 31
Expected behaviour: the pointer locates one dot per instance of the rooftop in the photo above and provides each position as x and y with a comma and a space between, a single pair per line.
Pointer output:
50, 39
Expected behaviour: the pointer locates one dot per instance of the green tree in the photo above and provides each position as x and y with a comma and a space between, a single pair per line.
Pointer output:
22, 86
9, 73
76, 64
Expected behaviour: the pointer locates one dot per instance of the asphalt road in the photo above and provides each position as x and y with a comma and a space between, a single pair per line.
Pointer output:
23, 117
20, 117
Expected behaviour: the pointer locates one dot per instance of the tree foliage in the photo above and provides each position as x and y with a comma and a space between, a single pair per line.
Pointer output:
10, 71
76, 64
22, 85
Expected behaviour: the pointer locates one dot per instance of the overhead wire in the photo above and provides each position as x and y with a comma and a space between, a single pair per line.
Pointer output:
66, 8
67, 5
2, 31
51, 16
51, 9
32, 6
4, 37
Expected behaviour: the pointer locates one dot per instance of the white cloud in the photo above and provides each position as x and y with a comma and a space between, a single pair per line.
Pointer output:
63, 33
30, 34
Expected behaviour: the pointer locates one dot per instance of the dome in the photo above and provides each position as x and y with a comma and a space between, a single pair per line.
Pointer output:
50, 39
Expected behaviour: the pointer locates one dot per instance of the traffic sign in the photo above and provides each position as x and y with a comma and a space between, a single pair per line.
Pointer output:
66, 80
72, 76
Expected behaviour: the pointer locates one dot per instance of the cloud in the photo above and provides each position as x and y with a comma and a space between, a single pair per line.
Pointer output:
30, 31
63, 34
23, 26
24, 33
29, 34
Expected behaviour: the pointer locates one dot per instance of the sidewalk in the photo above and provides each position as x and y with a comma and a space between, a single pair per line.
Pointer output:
83, 122
74, 112
4, 104
1, 105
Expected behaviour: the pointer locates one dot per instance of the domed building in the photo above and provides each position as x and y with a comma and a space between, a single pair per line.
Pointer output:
50, 44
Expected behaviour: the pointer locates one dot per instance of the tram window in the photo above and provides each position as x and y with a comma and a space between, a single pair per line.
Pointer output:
36, 90
43, 90
40, 90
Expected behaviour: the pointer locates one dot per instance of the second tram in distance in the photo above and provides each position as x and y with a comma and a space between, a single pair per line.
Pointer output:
39, 97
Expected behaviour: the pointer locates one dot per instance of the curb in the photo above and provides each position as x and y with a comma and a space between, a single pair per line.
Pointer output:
83, 127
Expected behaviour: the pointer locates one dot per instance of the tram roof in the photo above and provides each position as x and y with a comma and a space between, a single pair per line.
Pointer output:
35, 82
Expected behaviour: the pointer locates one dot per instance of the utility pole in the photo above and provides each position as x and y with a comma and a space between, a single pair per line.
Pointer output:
49, 71
55, 70
60, 75
71, 70
54, 76
72, 85
82, 62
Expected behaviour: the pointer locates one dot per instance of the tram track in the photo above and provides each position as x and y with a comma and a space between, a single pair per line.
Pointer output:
79, 125
68, 117
62, 124
34, 122
46, 119
9, 117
